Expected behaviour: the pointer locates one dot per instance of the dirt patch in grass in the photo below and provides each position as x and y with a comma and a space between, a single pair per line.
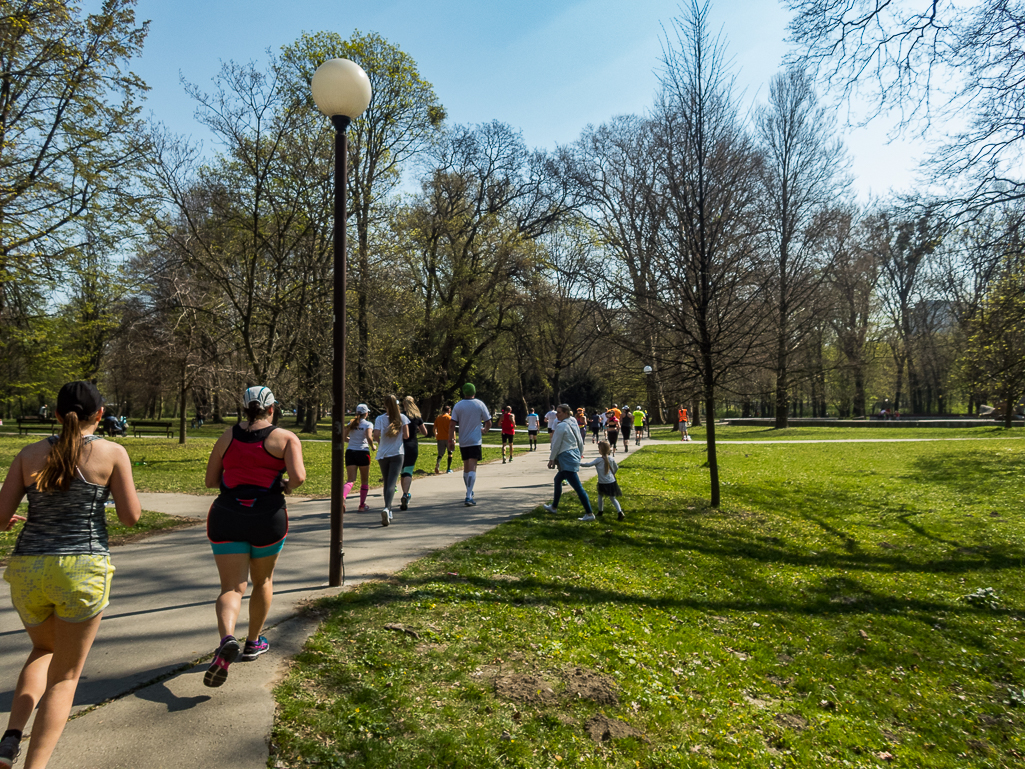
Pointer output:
587, 685
792, 721
602, 729
532, 690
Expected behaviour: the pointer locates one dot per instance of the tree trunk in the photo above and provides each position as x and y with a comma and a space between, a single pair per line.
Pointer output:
695, 410
183, 395
713, 458
310, 423
782, 393
900, 384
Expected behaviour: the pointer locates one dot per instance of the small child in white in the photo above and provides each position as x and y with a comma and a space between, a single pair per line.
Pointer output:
607, 484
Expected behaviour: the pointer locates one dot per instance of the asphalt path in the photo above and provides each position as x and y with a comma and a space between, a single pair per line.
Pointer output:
141, 701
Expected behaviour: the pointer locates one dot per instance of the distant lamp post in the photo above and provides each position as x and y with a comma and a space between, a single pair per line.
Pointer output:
342, 91
657, 391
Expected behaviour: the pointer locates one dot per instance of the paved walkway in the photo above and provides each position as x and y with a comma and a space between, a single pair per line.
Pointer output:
144, 677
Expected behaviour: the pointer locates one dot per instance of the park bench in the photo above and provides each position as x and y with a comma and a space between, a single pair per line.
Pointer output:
164, 427
27, 423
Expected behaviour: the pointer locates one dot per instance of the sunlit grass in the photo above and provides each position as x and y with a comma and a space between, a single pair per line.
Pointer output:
833, 612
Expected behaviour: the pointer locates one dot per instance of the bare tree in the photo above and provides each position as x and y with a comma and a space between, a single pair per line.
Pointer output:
704, 266
802, 178
902, 247
924, 59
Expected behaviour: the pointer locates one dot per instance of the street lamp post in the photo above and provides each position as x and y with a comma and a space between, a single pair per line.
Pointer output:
342, 91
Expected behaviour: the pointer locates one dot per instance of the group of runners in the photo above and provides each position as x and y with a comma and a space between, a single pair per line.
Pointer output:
60, 571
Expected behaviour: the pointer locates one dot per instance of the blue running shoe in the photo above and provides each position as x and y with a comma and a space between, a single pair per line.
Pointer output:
254, 649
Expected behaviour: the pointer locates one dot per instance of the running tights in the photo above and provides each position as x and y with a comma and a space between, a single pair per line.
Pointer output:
574, 481
390, 469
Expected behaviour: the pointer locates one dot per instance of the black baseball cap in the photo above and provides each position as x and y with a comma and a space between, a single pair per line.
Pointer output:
81, 397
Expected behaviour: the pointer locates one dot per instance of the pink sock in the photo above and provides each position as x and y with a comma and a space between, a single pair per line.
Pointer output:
363, 490
346, 489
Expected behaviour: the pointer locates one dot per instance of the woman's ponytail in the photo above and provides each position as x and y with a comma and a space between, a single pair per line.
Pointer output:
63, 457
391, 405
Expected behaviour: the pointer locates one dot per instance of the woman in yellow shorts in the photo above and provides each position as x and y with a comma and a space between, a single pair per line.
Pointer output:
60, 568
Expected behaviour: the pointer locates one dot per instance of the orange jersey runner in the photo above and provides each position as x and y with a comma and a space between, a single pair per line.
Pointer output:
442, 425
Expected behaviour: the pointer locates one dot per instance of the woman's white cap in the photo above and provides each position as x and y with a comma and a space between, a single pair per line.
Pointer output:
362, 409
261, 395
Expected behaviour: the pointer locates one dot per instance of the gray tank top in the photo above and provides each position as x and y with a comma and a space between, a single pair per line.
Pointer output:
72, 522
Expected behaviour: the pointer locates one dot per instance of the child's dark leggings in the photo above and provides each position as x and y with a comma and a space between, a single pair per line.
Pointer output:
574, 481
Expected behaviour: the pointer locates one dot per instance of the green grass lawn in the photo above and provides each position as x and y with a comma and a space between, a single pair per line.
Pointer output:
854, 605
754, 433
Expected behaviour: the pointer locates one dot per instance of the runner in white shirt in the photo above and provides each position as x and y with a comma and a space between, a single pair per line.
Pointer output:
533, 422
552, 418
468, 415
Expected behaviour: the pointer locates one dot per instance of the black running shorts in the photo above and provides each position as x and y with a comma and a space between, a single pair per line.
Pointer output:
357, 458
470, 452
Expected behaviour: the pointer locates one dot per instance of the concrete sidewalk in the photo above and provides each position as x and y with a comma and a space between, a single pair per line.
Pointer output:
159, 632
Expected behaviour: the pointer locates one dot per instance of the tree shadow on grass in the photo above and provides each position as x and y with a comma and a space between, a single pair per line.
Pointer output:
829, 587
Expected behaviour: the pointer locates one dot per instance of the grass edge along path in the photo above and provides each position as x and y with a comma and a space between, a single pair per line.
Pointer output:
850, 605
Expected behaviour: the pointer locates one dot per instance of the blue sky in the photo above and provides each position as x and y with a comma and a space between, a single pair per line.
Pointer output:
548, 68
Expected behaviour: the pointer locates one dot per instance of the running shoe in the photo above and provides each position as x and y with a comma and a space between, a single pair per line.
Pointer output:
404, 502
448, 472
254, 649
587, 517
10, 747
389, 513
363, 509
550, 508
467, 502
621, 515
503, 460
385, 516
226, 653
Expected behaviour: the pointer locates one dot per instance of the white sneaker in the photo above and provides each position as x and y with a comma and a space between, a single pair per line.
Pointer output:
385, 516
389, 515
588, 517
550, 509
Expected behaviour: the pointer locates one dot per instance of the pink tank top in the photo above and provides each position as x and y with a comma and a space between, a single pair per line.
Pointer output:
247, 461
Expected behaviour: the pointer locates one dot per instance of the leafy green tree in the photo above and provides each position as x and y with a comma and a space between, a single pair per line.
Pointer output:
403, 119
472, 235
69, 145
996, 345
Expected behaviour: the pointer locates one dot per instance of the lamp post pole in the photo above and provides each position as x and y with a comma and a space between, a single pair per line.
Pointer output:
336, 567
342, 91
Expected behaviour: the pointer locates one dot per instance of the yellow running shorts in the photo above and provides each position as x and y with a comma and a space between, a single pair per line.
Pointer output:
74, 587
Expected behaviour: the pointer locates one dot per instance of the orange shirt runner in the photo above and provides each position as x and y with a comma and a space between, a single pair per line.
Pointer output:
442, 425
